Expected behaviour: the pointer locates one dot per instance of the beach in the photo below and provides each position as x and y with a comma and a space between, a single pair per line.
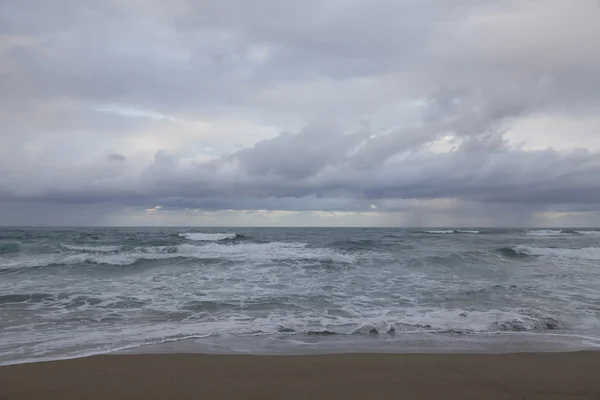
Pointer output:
344, 376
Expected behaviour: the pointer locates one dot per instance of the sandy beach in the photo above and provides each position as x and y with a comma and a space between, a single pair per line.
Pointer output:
347, 376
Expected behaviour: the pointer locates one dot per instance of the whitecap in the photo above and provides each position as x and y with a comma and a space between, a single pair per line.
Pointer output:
448, 231
545, 232
92, 249
208, 237
257, 252
586, 253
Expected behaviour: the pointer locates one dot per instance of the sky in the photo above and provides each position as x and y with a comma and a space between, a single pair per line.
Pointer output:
300, 113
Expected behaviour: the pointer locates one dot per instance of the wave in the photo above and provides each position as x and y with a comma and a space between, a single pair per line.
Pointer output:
208, 237
92, 249
559, 232
482, 322
511, 252
544, 232
586, 253
10, 247
265, 252
448, 231
24, 298
354, 245
252, 252
569, 232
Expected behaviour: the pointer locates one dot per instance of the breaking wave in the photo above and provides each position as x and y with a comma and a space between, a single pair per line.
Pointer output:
441, 322
208, 237
252, 252
561, 232
447, 231
587, 253
589, 232
511, 252
76, 291
544, 232
92, 249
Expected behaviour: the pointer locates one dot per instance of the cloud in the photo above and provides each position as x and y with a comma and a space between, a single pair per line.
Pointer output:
314, 106
117, 157
481, 168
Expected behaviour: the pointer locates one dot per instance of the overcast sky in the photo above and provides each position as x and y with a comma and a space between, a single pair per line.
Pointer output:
308, 112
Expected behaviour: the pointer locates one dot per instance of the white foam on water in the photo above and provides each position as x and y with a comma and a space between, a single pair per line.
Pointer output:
545, 232
121, 259
292, 289
264, 252
433, 320
448, 231
591, 233
587, 253
93, 249
86, 340
476, 321
208, 237
94, 345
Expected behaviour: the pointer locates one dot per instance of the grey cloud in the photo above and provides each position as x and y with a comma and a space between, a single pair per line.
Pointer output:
117, 157
419, 71
301, 155
208, 53
487, 172
481, 168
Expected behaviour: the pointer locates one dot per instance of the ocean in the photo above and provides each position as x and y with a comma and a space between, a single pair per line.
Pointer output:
73, 292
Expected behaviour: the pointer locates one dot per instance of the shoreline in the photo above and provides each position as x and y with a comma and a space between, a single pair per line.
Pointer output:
549, 375
497, 343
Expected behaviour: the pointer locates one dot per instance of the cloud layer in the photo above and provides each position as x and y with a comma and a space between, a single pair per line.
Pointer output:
316, 112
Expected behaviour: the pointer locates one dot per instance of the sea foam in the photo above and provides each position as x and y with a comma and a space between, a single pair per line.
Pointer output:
588, 253
208, 237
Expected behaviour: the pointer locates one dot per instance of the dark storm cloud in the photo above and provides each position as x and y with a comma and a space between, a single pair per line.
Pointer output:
480, 168
89, 89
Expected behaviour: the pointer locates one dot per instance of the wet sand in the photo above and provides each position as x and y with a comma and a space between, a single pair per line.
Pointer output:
343, 376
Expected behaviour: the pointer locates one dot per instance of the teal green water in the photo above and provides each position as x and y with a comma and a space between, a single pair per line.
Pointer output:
74, 292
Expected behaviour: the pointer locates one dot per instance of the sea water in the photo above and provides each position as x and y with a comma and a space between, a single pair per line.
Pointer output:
74, 292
